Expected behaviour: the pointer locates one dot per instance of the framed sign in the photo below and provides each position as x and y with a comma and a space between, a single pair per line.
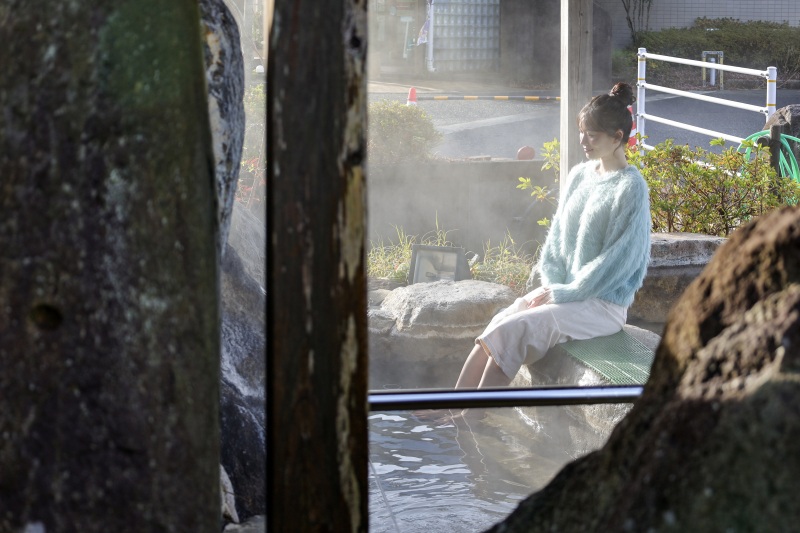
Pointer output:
434, 263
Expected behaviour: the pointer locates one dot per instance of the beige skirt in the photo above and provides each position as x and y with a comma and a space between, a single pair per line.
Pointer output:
518, 335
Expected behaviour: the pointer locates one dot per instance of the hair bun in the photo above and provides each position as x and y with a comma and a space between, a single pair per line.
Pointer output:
624, 92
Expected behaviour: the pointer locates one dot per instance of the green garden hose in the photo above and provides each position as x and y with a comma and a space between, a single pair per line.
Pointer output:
786, 161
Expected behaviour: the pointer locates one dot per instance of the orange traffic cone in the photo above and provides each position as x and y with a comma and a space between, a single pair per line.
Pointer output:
632, 138
412, 97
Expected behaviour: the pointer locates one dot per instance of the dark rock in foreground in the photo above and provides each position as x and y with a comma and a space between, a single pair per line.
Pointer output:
712, 443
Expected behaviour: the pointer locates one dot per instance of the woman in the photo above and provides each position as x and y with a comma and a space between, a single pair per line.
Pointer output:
594, 258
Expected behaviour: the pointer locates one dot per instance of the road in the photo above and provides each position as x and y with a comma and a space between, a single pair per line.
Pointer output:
499, 128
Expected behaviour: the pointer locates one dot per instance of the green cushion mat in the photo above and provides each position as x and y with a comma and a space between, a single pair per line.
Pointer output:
620, 358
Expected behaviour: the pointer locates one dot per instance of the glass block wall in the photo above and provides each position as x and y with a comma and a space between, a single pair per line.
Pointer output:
466, 35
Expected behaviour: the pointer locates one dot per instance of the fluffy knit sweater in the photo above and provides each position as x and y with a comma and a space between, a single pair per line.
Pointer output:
599, 241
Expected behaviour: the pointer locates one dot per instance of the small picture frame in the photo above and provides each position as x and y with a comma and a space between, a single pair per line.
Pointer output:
435, 263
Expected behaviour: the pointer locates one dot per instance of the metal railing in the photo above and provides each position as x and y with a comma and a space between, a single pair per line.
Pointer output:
507, 397
771, 75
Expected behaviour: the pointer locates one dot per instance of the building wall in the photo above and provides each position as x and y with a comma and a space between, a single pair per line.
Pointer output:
530, 42
682, 13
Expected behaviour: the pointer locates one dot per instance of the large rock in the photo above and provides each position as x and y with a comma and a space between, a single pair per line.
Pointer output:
257, 524
789, 119
241, 247
242, 414
711, 444
676, 259
222, 52
421, 334
588, 426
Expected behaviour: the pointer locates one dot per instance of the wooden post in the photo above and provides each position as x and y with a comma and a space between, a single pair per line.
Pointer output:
316, 284
576, 76
109, 323
775, 132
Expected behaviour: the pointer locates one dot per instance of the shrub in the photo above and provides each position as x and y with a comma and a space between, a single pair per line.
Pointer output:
398, 132
699, 191
624, 64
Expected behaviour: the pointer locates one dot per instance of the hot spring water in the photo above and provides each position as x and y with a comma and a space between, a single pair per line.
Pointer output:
466, 474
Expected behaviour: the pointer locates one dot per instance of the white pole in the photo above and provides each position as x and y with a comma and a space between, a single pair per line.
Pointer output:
405, 42
429, 53
772, 78
713, 76
243, 31
640, 92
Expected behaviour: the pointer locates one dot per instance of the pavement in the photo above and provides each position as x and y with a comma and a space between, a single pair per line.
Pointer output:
499, 128
445, 86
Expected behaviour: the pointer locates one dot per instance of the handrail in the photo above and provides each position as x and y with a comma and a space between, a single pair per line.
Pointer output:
771, 75
507, 397
696, 129
705, 98
705, 64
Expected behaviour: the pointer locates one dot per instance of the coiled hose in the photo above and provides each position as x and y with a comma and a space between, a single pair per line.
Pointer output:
787, 162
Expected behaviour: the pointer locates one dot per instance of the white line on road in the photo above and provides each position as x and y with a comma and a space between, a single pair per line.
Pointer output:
497, 121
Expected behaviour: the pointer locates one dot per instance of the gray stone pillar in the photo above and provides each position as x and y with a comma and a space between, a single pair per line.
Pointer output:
109, 350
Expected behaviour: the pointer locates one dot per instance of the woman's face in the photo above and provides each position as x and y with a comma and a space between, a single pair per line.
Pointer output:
598, 144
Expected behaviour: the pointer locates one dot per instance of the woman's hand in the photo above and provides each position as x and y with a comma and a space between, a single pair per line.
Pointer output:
540, 296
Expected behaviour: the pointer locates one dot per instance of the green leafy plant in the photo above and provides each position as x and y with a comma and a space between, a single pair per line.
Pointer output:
700, 191
398, 132
552, 158
551, 152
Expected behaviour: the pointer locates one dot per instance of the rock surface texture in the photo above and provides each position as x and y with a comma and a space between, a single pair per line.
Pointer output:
241, 247
109, 344
676, 259
421, 334
243, 340
711, 444
222, 51
788, 118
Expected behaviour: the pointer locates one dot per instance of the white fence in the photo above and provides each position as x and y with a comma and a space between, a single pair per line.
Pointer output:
771, 75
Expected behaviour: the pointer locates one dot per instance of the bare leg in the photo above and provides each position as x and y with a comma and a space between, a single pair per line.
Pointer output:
481, 371
493, 376
472, 371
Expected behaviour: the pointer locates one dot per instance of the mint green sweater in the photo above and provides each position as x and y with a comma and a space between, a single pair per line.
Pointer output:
599, 241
